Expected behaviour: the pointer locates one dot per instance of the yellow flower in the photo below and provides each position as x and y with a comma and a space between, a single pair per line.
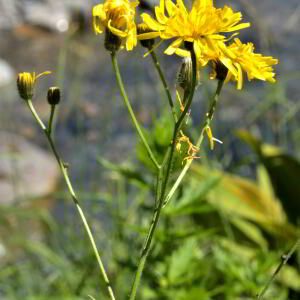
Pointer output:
240, 57
118, 17
203, 26
26, 84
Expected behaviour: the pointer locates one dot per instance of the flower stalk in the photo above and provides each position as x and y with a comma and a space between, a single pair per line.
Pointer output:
130, 110
162, 182
64, 171
163, 80
209, 117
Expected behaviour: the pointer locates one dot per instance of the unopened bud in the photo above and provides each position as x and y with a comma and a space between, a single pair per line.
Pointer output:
26, 85
53, 95
185, 74
141, 29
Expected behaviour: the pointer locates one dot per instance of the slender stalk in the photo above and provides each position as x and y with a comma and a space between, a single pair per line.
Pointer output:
162, 78
181, 119
51, 119
64, 172
162, 181
209, 117
147, 243
284, 260
128, 105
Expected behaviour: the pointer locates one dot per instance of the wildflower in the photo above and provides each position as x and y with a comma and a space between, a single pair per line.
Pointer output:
26, 84
243, 58
116, 17
202, 26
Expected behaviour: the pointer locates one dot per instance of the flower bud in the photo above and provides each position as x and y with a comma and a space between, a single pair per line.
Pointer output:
53, 95
141, 29
26, 85
185, 76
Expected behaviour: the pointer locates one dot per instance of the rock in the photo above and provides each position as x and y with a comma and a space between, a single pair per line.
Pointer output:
7, 73
25, 170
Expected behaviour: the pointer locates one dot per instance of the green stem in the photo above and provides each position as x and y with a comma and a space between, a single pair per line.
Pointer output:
51, 119
284, 259
134, 120
162, 182
162, 78
153, 224
64, 172
209, 117
181, 119
213, 104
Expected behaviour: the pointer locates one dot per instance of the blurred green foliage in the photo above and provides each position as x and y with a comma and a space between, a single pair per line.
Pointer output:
220, 237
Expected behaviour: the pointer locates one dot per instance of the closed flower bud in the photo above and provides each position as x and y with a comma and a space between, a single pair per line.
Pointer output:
26, 85
53, 95
185, 75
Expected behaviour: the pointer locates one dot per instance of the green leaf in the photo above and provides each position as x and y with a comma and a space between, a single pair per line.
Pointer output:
180, 260
284, 172
126, 171
251, 231
237, 196
289, 277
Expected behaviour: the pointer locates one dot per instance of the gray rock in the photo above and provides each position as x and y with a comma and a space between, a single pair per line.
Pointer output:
7, 73
25, 170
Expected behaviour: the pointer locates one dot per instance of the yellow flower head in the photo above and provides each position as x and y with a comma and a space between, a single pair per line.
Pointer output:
26, 84
203, 26
239, 57
118, 17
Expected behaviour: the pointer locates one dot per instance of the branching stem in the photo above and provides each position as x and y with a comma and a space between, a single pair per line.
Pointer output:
162, 182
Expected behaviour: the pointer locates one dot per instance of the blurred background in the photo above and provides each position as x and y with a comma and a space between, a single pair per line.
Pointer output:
233, 217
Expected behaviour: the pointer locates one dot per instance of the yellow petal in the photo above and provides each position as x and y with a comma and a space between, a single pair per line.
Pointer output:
238, 27
160, 13
151, 23
181, 6
228, 64
116, 31
171, 8
182, 52
148, 35
239, 76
